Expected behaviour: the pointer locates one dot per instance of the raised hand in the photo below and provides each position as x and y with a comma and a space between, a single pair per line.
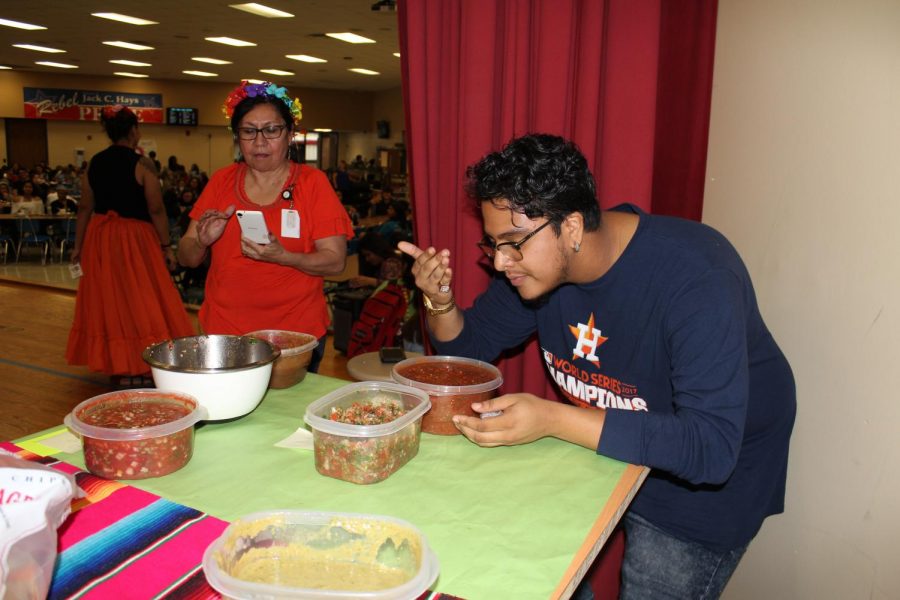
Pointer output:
212, 224
431, 270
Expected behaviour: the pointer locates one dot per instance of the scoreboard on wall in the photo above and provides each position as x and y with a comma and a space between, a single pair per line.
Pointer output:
181, 116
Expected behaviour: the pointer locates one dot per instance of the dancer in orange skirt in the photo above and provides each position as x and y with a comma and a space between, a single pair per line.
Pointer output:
126, 299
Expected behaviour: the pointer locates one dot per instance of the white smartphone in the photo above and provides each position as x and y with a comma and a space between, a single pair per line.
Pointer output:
253, 226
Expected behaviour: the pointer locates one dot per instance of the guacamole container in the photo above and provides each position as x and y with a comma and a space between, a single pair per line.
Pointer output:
320, 555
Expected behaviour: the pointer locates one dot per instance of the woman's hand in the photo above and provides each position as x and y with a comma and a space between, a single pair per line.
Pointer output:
75, 256
432, 271
212, 224
171, 260
524, 418
272, 252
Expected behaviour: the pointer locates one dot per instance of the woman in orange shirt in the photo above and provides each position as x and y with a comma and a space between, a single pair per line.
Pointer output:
278, 285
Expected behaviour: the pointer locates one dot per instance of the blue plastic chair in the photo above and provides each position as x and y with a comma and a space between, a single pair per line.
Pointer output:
68, 238
29, 236
6, 243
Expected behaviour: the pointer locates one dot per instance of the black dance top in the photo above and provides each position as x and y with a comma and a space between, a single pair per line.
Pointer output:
111, 175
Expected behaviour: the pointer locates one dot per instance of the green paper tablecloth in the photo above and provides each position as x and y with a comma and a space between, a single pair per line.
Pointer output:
504, 522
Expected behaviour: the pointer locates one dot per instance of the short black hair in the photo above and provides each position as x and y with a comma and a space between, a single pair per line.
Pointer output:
248, 104
540, 175
118, 124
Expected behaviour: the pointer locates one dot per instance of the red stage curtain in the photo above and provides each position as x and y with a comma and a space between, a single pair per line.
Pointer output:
687, 44
628, 80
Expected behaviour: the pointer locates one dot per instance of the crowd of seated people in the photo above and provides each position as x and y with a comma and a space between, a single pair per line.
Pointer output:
36, 191
363, 186
181, 187
32, 191
365, 191
380, 220
42, 190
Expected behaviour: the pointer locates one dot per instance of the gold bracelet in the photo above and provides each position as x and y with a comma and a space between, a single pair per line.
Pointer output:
432, 311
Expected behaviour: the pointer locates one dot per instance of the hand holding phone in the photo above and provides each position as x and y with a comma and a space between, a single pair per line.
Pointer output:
253, 226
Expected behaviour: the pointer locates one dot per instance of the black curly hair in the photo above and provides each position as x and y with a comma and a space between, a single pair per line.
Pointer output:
118, 123
540, 175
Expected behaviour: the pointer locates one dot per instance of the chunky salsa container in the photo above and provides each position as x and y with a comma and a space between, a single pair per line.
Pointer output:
375, 448
453, 383
320, 555
136, 434
289, 369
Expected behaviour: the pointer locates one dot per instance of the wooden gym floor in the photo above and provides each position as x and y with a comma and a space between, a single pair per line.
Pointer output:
37, 387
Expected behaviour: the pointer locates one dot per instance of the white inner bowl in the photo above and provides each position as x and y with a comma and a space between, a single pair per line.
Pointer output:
228, 374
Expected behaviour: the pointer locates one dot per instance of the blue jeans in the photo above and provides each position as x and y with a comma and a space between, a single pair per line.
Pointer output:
657, 565
317, 355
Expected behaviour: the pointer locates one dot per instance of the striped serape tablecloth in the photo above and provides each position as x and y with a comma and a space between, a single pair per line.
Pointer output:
122, 542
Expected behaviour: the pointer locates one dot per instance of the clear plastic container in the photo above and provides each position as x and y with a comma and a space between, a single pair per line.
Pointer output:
136, 434
452, 383
366, 453
296, 348
320, 556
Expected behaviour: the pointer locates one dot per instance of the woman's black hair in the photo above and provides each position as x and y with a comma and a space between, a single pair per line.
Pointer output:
118, 124
539, 175
248, 103
400, 209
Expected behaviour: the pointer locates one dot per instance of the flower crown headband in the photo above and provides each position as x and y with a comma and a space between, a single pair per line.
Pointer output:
267, 89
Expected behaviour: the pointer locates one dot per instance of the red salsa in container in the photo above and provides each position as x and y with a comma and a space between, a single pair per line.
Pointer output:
296, 348
452, 383
136, 434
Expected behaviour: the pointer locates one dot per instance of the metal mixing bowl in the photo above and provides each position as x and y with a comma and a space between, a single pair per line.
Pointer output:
211, 353
228, 374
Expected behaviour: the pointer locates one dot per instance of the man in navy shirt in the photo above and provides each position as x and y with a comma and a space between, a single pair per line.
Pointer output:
649, 326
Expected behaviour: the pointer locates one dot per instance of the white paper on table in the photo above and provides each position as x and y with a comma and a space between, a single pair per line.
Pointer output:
302, 438
64, 441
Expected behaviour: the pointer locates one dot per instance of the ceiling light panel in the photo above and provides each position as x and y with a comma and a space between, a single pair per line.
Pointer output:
276, 72
124, 18
48, 63
201, 73
305, 58
126, 74
4, 68
129, 45
39, 48
212, 61
130, 63
20, 25
350, 38
262, 10
229, 41
364, 71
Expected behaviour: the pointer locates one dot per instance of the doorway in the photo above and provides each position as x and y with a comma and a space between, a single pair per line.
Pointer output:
26, 142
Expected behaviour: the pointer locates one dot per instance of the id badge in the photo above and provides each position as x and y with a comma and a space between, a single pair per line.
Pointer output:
290, 223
